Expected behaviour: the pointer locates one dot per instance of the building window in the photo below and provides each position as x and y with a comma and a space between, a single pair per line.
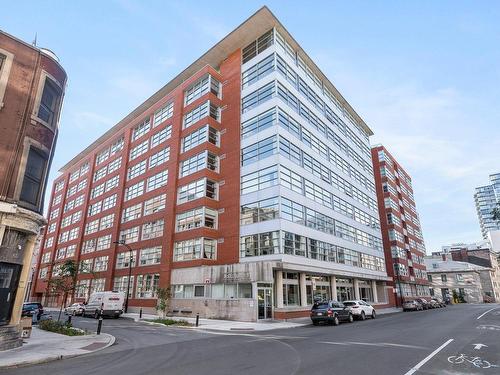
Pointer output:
155, 204
125, 259
130, 235
152, 229
197, 218
199, 136
132, 212
257, 97
198, 248
157, 180
82, 289
196, 163
97, 285
121, 284
197, 189
46, 257
258, 71
259, 180
203, 110
33, 177
134, 190
150, 256
200, 88
136, 170
106, 222
258, 46
49, 102
104, 242
160, 157
140, 130
147, 285
89, 246
101, 264
163, 114
114, 165
109, 202
138, 150
459, 277
161, 136
444, 278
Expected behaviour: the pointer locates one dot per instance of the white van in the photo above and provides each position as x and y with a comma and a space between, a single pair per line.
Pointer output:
111, 302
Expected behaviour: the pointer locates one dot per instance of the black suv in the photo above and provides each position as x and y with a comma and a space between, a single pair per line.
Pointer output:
331, 312
30, 309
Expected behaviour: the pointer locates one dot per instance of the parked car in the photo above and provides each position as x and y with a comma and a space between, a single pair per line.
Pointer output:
434, 304
75, 309
412, 305
32, 308
331, 312
425, 304
111, 304
439, 301
361, 310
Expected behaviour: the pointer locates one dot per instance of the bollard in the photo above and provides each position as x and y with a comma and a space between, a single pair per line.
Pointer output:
99, 324
69, 320
197, 319
140, 313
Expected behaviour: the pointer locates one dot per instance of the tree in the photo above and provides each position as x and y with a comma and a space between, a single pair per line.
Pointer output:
64, 280
496, 213
164, 295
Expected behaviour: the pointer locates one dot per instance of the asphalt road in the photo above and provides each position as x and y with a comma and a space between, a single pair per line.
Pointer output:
440, 341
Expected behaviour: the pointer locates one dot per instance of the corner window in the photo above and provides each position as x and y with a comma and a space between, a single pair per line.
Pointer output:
48, 103
33, 177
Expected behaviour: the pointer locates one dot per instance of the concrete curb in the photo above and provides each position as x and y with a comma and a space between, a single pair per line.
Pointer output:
51, 358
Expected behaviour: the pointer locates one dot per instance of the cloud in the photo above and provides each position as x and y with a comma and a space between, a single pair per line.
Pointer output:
86, 120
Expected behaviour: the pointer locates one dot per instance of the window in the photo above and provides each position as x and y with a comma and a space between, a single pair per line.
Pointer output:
196, 163
444, 278
56, 200
197, 189
109, 202
147, 285
257, 46
117, 146
258, 71
199, 217
106, 222
51, 228
59, 186
198, 248
89, 246
203, 110
134, 190
459, 277
97, 285
49, 102
259, 150
159, 158
130, 235
154, 204
61, 253
161, 136
200, 88
138, 150
101, 264
131, 213
199, 136
163, 114
104, 242
136, 170
260, 244
258, 123
33, 177
94, 208
112, 183
156, 181
82, 289
150, 256
49, 242
140, 130
102, 156
86, 265
100, 173
46, 257
121, 284
92, 227
96, 191
260, 211
114, 165
70, 251
259, 180
54, 213
257, 97
152, 229
125, 259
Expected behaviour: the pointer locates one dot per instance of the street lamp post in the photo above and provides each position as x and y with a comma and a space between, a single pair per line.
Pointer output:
122, 242
399, 283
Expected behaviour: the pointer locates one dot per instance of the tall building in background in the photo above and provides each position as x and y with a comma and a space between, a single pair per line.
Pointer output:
487, 198
401, 232
245, 184
32, 86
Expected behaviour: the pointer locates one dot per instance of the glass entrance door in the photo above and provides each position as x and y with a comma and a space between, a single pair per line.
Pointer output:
265, 303
9, 275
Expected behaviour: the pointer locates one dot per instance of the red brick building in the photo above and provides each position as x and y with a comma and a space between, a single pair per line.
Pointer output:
32, 84
401, 232
203, 181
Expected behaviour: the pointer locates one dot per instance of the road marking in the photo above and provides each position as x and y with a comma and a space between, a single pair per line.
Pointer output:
380, 344
426, 359
479, 346
486, 312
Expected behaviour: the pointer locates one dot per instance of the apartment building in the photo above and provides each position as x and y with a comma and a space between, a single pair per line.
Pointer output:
401, 232
32, 84
245, 184
487, 197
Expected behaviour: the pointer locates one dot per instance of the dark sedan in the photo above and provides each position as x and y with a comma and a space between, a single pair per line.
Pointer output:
32, 308
331, 312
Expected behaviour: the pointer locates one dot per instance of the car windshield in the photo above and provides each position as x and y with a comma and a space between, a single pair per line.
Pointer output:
320, 305
349, 303
30, 306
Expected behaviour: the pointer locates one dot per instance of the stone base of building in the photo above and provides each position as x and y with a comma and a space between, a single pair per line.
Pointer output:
10, 337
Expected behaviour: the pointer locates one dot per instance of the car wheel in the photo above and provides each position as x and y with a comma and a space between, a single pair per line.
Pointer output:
315, 323
374, 314
363, 316
73, 313
335, 320
351, 318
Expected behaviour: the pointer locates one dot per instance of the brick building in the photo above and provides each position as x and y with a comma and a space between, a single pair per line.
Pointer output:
401, 232
32, 86
245, 184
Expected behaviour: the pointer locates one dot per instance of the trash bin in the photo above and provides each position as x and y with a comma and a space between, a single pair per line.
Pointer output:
26, 327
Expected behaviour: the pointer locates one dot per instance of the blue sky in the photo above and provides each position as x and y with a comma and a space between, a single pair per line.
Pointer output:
424, 75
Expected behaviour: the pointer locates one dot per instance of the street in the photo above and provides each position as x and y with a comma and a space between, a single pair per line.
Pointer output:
456, 339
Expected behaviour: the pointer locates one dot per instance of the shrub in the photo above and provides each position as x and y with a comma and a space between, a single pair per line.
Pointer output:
171, 322
59, 327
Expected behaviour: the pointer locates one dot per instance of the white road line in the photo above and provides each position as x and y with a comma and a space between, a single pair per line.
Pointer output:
486, 312
380, 344
426, 359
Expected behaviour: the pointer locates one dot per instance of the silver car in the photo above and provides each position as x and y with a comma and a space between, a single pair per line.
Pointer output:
75, 309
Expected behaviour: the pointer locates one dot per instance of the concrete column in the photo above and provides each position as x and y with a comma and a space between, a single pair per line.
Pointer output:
333, 287
278, 282
23, 279
355, 285
374, 291
303, 289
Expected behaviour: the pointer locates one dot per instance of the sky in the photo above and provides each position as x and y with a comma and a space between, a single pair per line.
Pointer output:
425, 76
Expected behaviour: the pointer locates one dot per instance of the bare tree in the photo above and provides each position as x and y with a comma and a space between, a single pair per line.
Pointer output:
164, 296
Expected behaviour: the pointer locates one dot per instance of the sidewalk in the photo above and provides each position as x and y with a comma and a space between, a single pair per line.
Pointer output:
231, 325
45, 346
